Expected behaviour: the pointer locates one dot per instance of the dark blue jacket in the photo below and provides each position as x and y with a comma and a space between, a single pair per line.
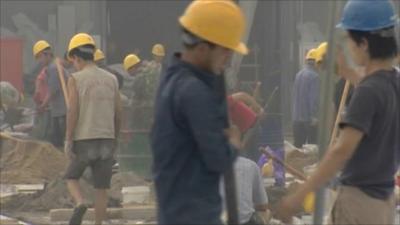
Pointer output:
306, 95
189, 147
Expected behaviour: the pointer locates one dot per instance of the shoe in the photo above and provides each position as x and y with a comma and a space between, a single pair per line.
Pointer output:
77, 215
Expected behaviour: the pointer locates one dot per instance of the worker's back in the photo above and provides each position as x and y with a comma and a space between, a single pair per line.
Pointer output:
97, 90
305, 94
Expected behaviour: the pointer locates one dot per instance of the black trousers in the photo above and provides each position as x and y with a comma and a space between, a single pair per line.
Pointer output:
58, 125
304, 133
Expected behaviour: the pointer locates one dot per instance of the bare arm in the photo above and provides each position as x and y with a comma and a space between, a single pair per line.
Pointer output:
333, 161
72, 111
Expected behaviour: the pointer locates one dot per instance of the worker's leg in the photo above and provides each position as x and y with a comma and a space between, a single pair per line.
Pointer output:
100, 206
354, 207
312, 134
300, 131
74, 189
74, 172
279, 169
102, 172
62, 126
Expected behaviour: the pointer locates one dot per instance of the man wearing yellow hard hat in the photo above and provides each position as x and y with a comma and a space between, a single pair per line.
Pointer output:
100, 60
131, 64
93, 124
190, 138
158, 52
48, 93
305, 102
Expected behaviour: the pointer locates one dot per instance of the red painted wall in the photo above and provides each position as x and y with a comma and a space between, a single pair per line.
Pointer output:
11, 61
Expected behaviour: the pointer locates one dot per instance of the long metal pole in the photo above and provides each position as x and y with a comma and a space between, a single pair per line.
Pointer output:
325, 112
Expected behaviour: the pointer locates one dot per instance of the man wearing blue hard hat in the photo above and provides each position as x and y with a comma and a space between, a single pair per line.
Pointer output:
367, 151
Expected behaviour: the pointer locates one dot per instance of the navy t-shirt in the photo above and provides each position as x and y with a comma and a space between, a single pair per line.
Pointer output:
375, 110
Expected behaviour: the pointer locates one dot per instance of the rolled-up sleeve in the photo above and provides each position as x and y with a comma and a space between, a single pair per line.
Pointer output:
205, 115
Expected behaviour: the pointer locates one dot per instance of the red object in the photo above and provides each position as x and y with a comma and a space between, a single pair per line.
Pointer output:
11, 62
41, 87
241, 115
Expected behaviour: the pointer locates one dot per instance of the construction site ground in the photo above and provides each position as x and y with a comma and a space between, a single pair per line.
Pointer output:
33, 191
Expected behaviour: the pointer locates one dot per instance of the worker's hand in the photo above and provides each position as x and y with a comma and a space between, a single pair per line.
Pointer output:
68, 149
288, 207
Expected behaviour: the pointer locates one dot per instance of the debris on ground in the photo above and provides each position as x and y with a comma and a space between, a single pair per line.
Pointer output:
29, 162
300, 159
56, 195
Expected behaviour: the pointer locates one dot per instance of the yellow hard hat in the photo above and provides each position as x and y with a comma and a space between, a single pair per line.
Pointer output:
158, 50
98, 55
40, 46
79, 40
220, 22
321, 51
130, 60
312, 54
309, 203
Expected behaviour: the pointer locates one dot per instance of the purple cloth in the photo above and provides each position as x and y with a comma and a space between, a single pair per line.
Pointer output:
279, 170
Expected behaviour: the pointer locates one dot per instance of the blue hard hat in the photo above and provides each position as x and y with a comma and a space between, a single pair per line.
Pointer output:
368, 15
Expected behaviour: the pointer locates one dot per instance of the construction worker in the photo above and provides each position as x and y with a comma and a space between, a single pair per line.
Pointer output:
158, 52
53, 97
190, 148
305, 102
252, 197
131, 64
367, 149
93, 124
320, 55
100, 60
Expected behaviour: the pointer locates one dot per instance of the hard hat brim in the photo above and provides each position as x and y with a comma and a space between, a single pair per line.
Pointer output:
158, 54
343, 26
242, 49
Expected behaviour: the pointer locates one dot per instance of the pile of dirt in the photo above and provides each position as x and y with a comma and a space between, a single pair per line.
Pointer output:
298, 159
29, 162
56, 195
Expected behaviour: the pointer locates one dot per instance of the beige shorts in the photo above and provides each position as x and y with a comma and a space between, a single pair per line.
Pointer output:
353, 206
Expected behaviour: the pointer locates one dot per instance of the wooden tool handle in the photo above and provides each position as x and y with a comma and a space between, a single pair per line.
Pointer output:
62, 81
339, 112
289, 169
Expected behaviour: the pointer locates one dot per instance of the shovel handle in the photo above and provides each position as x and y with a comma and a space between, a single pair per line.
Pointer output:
290, 169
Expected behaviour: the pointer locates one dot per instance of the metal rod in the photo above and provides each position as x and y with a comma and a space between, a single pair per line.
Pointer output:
325, 112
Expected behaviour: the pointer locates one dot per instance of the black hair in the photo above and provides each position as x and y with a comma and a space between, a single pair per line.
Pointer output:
381, 43
190, 40
66, 56
85, 52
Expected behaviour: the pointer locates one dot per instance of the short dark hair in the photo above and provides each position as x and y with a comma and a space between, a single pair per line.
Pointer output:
85, 52
191, 40
382, 43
